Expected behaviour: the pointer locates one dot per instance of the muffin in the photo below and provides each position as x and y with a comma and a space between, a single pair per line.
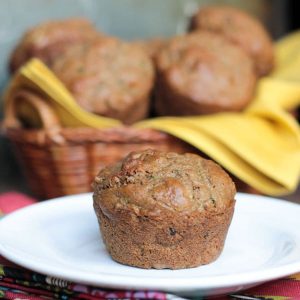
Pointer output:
49, 39
164, 210
108, 77
202, 73
241, 29
151, 46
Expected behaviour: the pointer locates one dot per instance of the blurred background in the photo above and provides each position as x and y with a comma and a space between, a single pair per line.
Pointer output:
129, 19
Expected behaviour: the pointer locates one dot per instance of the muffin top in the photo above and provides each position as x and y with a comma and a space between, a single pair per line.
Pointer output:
49, 39
208, 70
240, 28
106, 76
153, 183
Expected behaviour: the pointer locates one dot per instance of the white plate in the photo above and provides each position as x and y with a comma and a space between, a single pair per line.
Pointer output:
60, 237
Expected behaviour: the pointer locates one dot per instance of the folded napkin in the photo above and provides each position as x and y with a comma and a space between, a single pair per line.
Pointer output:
260, 145
19, 283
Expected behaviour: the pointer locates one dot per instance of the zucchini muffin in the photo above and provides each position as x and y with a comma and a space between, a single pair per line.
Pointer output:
203, 73
164, 210
48, 40
108, 77
241, 29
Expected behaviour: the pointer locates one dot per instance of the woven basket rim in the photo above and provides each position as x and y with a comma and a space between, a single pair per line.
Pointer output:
124, 134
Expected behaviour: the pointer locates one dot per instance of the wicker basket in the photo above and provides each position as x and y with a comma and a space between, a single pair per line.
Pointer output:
61, 161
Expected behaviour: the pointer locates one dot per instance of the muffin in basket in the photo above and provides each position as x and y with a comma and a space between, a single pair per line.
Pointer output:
108, 77
164, 210
49, 39
241, 29
203, 73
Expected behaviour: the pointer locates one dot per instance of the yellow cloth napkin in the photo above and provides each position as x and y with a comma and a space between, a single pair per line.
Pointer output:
261, 145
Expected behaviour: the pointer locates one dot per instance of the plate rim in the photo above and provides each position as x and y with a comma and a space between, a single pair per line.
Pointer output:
179, 284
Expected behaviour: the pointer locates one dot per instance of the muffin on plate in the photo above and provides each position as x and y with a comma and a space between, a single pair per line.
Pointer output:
108, 77
241, 29
48, 40
203, 73
164, 210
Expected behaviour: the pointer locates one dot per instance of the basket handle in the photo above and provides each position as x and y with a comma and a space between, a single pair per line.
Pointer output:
48, 119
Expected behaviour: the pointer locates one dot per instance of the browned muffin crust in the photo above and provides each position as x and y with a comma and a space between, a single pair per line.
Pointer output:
203, 73
164, 210
48, 40
240, 28
108, 77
